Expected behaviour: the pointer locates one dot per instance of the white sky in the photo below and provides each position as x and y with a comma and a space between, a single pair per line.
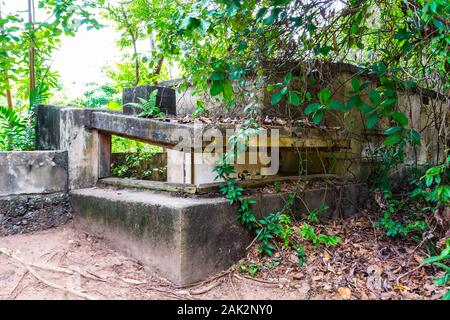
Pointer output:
80, 58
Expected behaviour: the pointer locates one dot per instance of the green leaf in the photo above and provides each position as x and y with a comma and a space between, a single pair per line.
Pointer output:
389, 102
356, 85
216, 88
336, 105
227, 90
365, 108
276, 98
324, 95
218, 76
393, 130
414, 137
400, 118
318, 116
190, 23
393, 139
374, 97
372, 120
313, 107
294, 98
288, 78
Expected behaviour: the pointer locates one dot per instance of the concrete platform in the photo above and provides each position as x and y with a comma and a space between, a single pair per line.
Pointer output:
185, 239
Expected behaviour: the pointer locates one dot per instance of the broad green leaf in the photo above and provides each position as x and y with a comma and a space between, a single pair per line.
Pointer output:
400, 118
276, 98
393, 139
356, 85
227, 90
336, 105
313, 107
393, 130
294, 98
372, 120
288, 78
218, 76
204, 26
318, 116
389, 102
324, 95
216, 88
374, 97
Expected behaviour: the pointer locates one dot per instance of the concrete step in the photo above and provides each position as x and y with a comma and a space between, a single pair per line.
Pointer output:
187, 239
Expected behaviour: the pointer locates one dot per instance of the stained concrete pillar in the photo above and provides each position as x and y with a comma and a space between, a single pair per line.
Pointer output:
82, 145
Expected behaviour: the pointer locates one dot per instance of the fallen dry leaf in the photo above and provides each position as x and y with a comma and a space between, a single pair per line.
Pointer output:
345, 293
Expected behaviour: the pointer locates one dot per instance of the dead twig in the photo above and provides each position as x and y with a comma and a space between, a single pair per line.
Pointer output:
230, 277
407, 273
17, 285
200, 283
11, 255
253, 241
203, 290
261, 280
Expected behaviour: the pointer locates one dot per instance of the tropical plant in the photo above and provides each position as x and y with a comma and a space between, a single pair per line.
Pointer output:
149, 107
442, 261
15, 131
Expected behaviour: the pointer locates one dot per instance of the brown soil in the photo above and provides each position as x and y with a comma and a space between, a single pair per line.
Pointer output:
362, 267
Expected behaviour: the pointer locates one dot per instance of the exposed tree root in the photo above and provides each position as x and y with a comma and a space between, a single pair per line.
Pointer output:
28, 266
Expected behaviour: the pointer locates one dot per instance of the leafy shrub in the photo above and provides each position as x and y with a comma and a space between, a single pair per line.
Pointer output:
442, 261
16, 132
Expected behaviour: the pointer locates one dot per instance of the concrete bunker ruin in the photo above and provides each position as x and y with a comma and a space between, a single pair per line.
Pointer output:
181, 226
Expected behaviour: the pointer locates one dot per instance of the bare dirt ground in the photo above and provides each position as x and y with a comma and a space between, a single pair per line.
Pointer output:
66, 263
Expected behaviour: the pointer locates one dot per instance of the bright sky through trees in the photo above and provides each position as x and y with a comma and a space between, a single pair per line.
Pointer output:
81, 58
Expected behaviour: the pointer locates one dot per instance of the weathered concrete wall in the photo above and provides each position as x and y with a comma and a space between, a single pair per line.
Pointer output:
33, 191
33, 172
47, 127
28, 213
188, 239
82, 147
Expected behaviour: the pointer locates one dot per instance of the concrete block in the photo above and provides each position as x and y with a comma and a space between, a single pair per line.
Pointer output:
185, 239
82, 145
165, 99
33, 172
47, 127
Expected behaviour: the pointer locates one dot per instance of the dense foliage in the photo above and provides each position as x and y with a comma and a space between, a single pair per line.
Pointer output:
238, 53
26, 48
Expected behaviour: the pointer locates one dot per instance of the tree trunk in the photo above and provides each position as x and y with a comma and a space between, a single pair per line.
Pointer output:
31, 53
9, 100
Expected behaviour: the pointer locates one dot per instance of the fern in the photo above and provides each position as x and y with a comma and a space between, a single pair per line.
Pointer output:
149, 107
15, 133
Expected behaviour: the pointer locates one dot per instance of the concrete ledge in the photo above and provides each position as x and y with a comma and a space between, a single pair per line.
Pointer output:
33, 172
186, 239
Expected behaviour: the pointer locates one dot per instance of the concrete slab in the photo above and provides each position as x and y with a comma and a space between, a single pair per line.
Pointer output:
187, 239
33, 172
184, 239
